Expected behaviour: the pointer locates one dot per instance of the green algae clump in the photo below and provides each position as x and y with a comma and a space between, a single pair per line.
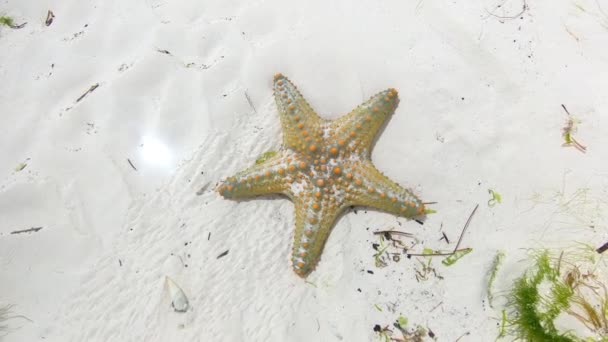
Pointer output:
265, 156
7, 21
568, 286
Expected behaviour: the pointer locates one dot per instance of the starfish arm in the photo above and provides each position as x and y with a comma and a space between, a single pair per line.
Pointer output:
269, 177
314, 222
371, 188
301, 125
358, 129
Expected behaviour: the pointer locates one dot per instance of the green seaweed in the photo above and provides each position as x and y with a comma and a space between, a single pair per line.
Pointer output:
498, 259
529, 322
416, 333
428, 251
427, 269
496, 198
429, 211
385, 335
402, 322
503, 325
7, 21
265, 156
378, 256
451, 260
556, 286
409, 334
20, 167
311, 283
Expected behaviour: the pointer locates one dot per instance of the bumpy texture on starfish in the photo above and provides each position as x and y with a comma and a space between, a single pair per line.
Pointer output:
324, 167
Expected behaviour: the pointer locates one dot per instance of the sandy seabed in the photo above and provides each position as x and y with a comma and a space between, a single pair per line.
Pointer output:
121, 181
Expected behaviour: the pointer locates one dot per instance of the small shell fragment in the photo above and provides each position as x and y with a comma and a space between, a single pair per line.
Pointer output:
178, 297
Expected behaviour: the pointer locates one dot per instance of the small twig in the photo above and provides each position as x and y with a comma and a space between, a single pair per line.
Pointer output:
436, 306
166, 52
181, 260
567, 112
464, 229
223, 254
445, 237
250, 102
91, 89
130, 163
16, 27
436, 254
571, 33
29, 230
396, 232
203, 189
463, 335
602, 248
49, 18
578, 145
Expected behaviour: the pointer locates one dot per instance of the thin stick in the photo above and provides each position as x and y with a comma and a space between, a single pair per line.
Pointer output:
29, 230
445, 237
464, 229
250, 102
396, 232
91, 89
578, 145
463, 335
130, 163
602, 248
16, 27
436, 306
437, 254
49, 18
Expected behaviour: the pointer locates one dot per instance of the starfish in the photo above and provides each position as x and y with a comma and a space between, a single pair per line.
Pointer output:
324, 167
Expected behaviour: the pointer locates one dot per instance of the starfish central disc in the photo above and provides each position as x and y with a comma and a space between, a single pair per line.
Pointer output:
324, 167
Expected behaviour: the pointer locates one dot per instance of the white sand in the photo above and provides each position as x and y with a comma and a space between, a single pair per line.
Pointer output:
480, 109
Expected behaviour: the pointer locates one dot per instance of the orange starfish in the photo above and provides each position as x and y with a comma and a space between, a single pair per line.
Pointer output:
324, 167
